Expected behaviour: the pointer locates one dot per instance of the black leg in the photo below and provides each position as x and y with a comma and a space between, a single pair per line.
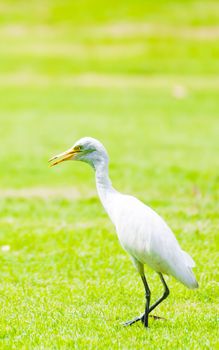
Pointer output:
148, 297
164, 296
144, 317
165, 293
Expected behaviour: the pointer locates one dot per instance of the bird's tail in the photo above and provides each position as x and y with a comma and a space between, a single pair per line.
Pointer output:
188, 259
187, 276
189, 279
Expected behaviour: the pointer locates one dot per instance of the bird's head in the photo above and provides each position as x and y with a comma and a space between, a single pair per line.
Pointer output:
87, 149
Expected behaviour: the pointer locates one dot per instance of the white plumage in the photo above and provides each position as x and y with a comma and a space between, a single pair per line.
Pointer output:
147, 238
141, 231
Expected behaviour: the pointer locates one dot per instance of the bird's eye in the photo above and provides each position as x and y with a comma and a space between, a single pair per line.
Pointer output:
78, 148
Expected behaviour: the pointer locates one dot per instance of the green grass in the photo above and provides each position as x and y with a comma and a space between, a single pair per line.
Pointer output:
112, 71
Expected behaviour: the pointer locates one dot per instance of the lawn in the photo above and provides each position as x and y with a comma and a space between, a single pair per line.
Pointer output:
142, 78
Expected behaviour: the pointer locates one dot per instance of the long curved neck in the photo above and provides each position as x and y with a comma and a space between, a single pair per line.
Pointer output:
104, 186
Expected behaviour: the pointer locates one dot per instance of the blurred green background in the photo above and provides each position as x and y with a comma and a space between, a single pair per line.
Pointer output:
143, 77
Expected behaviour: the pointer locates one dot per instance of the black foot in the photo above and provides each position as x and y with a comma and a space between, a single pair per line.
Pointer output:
141, 318
143, 321
157, 317
136, 319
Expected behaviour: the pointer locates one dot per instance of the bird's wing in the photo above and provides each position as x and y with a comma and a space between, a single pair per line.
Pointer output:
146, 237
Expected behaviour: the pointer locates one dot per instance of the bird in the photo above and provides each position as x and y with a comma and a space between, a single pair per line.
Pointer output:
142, 233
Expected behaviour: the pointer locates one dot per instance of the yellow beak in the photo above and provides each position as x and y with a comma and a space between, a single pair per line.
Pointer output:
67, 155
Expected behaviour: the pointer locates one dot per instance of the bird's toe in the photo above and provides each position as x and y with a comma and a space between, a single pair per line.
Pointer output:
157, 317
131, 322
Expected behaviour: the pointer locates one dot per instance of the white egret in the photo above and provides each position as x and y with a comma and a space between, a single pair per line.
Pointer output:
141, 231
